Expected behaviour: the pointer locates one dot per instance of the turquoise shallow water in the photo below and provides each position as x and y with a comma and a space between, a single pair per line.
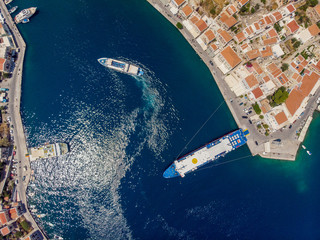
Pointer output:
124, 132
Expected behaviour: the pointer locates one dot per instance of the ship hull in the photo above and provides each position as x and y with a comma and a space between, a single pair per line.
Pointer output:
206, 154
121, 66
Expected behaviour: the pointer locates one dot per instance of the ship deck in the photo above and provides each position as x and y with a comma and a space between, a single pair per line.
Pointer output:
203, 155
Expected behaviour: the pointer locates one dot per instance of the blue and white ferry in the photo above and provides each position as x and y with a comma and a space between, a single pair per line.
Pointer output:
207, 153
121, 66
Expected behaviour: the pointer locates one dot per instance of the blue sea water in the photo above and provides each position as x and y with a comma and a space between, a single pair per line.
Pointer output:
124, 131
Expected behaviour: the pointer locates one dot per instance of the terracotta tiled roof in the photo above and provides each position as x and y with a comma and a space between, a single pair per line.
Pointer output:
194, 19
210, 35
5, 231
267, 20
274, 70
230, 22
270, 41
295, 76
257, 92
187, 10
282, 79
213, 46
277, 16
225, 35
244, 46
201, 25
266, 79
291, 8
13, 213
294, 101
231, 9
230, 56
253, 54
293, 26
179, 2
272, 33
240, 37
2, 62
257, 68
256, 25
281, 118
3, 218
314, 30
308, 83
251, 81
267, 52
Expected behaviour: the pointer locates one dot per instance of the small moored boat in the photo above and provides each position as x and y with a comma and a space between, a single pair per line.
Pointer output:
12, 10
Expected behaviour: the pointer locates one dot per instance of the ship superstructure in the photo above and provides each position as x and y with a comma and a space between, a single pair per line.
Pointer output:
48, 151
121, 66
207, 153
25, 14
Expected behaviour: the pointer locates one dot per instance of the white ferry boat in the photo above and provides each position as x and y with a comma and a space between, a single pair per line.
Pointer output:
121, 66
207, 153
25, 14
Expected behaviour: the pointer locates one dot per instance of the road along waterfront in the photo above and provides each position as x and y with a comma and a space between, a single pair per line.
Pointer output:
14, 109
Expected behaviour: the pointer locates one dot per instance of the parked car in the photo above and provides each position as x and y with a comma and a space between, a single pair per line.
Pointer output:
250, 121
244, 117
249, 112
23, 178
256, 143
241, 103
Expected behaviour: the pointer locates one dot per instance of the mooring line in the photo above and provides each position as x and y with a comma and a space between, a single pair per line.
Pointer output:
185, 147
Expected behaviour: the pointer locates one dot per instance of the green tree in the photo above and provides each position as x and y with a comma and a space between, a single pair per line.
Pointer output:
213, 10
25, 225
261, 117
179, 25
284, 67
256, 108
18, 234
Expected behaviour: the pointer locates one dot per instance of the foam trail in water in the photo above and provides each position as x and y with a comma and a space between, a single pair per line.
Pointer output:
105, 140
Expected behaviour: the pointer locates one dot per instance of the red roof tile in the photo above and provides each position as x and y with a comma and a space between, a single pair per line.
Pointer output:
230, 56
201, 25
281, 118
274, 70
308, 83
187, 10
314, 30
291, 8
5, 231
270, 41
293, 26
240, 37
294, 101
282, 79
253, 54
251, 80
257, 92
257, 68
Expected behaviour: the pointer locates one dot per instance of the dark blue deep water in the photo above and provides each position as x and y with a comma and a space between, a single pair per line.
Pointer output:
124, 132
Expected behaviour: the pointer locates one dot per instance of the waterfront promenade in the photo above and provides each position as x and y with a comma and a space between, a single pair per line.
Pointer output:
257, 142
14, 110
